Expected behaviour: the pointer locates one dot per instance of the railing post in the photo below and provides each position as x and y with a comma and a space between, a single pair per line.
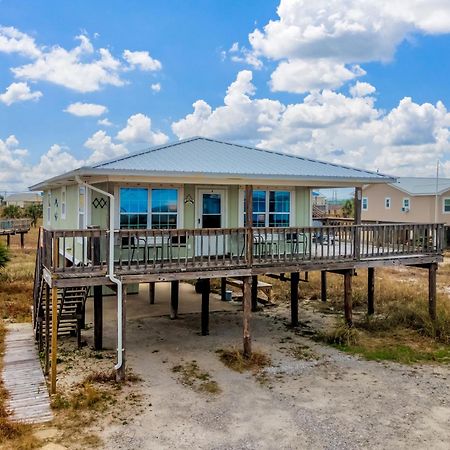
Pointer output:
357, 233
249, 224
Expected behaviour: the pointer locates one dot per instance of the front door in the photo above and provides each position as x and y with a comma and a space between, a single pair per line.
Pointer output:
210, 214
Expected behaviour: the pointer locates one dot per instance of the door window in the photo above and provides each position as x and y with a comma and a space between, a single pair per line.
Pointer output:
212, 211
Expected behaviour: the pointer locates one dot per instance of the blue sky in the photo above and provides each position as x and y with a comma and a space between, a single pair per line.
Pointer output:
306, 82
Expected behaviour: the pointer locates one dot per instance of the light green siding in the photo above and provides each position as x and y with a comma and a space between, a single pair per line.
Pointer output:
99, 207
302, 207
57, 221
233, 207
99, 215
189, 209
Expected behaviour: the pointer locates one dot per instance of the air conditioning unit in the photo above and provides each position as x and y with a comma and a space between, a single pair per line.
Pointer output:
404, 209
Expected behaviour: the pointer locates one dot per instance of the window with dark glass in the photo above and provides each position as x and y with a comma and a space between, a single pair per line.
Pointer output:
164, 208
133, 208
279, 208
259, 209
271, 208
212, 211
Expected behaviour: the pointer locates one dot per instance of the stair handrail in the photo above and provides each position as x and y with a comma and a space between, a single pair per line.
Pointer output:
37, 292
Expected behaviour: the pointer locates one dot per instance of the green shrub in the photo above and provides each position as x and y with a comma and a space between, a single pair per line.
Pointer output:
4, 255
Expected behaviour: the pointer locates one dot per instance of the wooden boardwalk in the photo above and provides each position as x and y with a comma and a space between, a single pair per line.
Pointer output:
23, 378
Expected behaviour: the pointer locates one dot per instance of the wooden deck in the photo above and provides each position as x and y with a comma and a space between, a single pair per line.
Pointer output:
162, 255
23, 378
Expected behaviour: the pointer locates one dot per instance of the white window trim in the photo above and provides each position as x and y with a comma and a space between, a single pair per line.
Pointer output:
84, 225
443, 205
385, 202
180, 203
268, 189
367, 204
199, 191
49, 208
63, 202
409, 203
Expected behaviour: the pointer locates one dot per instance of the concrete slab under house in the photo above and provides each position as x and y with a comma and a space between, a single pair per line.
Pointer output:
201, 209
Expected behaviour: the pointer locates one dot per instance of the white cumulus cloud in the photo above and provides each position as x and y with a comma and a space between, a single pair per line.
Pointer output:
103, 147
86, 109
19, 92
14, 41
139, 130
343, 32
361, 89
156, 87
81, 68
329, 125
300, 75
143, 60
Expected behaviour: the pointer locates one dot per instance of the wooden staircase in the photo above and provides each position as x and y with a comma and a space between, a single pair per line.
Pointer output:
70, 306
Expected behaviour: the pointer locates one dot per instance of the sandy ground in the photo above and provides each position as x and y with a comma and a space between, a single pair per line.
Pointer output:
333, 402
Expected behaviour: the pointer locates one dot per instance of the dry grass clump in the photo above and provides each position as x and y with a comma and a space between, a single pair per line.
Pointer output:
16, 281
235, 360
303, 352
341, 335
190, 374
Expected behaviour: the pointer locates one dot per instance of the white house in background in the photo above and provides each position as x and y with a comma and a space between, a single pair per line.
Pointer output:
24, 199
409, 199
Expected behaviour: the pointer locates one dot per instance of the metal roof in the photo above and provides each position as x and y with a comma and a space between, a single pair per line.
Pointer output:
422, 186
209, 157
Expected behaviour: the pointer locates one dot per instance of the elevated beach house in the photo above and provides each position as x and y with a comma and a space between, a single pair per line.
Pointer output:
199, 209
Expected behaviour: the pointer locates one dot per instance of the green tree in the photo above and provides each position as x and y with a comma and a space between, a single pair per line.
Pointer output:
12, 212
34, 212
347, 208
4, 255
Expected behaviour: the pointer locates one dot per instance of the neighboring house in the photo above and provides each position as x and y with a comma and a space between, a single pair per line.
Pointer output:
320, 201
200, 209
24, 199
409, 199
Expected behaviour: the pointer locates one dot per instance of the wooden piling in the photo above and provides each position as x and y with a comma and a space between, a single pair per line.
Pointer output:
22, 240
98, 302
323, 285
348, 274
432, 295
121, 372
206, 288
98, 317
295, 278
254, 293
223, 288
247, 308
174, 294
370, 291
151, 292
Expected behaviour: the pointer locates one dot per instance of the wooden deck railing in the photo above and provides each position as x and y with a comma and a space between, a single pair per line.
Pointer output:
14, 225
154, 251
